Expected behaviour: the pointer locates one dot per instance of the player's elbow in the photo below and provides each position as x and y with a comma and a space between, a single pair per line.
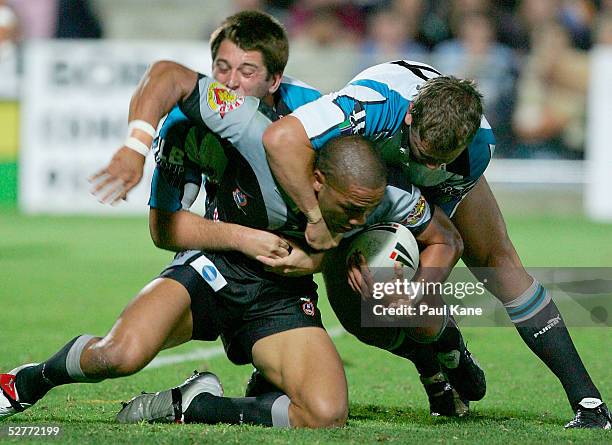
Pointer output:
162, 241
273, 138
159, 230
285, 138
172, 75
158, 239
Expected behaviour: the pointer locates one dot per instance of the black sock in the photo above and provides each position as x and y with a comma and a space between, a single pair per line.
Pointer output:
34, 382
207, 408
450, 339
421, 354
542, 328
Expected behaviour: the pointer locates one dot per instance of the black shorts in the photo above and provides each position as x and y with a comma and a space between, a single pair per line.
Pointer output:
232, 299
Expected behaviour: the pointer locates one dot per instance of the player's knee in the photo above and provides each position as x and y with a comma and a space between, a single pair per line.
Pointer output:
120, 357
497, 252
326, 412
503, 255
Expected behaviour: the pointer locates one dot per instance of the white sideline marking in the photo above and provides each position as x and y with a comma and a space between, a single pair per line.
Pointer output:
214, 351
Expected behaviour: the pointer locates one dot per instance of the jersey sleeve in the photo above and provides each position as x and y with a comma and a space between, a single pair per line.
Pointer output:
177, 179
407, 207
292, 94
364, 107
220, 109
174, 196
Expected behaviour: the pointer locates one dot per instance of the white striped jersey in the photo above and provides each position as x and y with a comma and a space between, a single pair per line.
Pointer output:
374, 105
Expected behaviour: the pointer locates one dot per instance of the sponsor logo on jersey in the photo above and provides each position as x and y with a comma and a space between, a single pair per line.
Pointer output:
416, 214
207, 270
452, 191
222, 100
308, 307
355, 122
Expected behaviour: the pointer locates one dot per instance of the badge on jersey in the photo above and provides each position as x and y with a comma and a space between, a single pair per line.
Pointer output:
308, 307
221, 100
416, 214
240, 199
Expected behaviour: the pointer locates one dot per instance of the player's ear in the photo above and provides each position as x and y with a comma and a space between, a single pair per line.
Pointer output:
319, 180
408, 117
278, 77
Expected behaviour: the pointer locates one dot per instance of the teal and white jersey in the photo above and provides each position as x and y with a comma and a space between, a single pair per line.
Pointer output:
374, 105
247, 192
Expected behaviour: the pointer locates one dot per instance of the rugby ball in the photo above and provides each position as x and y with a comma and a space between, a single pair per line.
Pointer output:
383, 245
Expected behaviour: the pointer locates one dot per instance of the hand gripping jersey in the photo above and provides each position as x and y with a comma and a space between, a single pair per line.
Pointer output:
247, 193
374, 105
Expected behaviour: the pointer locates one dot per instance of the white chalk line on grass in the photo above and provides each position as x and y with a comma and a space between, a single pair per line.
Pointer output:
210, 352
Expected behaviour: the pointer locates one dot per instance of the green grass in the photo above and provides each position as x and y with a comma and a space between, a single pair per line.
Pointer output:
60, 277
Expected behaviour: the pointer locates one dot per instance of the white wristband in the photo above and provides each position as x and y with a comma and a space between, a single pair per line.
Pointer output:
137, 145
141, 125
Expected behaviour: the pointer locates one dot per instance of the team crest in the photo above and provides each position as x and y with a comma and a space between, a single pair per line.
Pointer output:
240, 198
416, 214
222, 100
308, 307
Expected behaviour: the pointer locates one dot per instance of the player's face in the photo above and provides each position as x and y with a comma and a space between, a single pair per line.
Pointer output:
243, 71
344, 210
420, 152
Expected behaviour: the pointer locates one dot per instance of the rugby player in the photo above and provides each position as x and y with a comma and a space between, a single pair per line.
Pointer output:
236, 47
175, 306
262, 318
432, 129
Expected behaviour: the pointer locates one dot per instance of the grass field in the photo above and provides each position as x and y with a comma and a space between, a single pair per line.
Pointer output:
60, 277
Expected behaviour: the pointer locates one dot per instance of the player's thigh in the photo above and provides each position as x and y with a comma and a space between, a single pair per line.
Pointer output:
488, 250
305, 364
157, 318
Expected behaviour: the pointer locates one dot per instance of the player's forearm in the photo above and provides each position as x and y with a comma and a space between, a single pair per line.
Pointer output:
317, 261
443, 248
163, 86
291, 158
183, 230
436, 262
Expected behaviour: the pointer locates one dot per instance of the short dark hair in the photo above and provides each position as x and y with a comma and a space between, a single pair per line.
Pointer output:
446, 114
351, 160
255, 31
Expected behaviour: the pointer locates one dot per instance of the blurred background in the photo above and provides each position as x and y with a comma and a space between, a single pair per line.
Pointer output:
68, 68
